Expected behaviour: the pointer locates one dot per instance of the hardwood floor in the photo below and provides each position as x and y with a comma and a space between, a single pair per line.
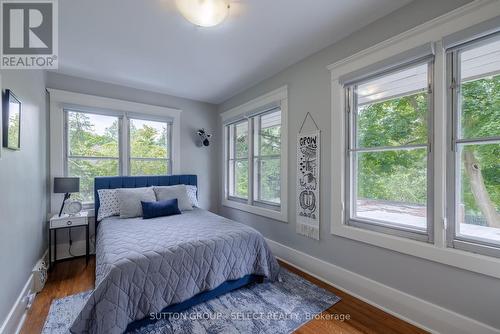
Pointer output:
67, 278
74, 276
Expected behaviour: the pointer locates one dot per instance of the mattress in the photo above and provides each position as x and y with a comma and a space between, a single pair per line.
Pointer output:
143, 266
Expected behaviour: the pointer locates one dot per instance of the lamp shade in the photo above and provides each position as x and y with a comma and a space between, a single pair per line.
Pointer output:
63, 185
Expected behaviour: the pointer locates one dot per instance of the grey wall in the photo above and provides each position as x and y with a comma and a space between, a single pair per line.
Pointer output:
194, 115
308, 81
23, 188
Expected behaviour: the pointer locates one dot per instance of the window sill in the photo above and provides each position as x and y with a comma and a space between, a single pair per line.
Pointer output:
457, 258
276, 215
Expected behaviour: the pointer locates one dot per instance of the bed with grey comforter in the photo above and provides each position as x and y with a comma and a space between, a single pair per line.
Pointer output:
143, 266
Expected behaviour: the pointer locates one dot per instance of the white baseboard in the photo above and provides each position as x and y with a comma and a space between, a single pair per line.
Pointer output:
419, 312
15, 319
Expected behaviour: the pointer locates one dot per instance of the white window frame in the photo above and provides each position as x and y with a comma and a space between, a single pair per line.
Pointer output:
276, 98
351, 167
61, 100
432, 31
454, 240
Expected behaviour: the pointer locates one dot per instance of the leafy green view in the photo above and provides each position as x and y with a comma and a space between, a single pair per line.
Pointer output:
400, 175
267, 162
397, 175
94, 149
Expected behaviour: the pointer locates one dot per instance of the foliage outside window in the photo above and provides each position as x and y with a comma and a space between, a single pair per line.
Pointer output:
256, 139
389, 150
238, 160
476, 143
267, 157
94, 148
149, 147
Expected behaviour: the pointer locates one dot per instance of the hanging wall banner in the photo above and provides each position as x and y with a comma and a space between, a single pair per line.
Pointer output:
308, 165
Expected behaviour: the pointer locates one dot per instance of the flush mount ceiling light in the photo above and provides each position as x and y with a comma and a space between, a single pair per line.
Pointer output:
204, 13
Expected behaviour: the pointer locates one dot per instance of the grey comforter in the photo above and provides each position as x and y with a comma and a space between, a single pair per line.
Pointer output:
142, 266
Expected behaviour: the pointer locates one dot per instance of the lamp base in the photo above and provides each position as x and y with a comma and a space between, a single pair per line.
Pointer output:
66, 197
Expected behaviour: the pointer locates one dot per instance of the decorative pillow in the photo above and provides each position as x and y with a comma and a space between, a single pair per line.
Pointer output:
191, 191
160, 209
110, 206
130, 200
170, 192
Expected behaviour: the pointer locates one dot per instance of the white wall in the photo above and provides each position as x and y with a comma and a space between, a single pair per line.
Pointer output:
194, 160
464, 292
23, 188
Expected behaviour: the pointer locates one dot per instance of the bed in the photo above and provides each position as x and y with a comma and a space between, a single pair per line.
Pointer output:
167, 264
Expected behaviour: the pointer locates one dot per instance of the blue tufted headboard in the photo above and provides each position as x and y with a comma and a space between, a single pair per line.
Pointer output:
114, 182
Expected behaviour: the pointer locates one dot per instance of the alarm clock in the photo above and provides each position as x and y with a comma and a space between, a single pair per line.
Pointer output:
72, 207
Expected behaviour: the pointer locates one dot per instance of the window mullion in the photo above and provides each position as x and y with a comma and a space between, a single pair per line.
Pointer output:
251, 136
124, 131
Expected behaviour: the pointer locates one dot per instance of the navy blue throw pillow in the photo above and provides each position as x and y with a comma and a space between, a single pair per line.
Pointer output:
159, 209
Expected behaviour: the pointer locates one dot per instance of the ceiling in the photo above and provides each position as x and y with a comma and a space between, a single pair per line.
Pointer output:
147, 44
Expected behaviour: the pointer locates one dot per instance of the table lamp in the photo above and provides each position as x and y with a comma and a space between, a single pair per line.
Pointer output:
66, 186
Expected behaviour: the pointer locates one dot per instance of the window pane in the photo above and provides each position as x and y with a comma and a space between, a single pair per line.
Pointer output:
149, 139
392, 110
241, 140
405, 82
148, 167
270, 134
241, 178
478, 210
230, 142
392, 187
86, 170
269, 171
480, 91
92, 135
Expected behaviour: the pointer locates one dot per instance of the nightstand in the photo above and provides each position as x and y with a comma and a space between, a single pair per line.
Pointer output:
65, 221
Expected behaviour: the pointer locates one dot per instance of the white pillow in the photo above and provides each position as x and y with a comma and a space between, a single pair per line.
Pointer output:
130, 200
191, 191
110, 206
164, 193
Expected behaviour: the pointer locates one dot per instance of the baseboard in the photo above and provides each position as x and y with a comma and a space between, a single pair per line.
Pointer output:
17, 314
15, 319
419, 312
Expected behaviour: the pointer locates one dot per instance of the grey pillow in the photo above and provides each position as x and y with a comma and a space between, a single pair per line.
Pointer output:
170, 192
130, 200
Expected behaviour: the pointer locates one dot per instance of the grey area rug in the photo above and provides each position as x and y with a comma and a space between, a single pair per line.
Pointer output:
278, 307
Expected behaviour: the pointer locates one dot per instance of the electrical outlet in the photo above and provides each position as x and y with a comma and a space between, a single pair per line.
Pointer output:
29, 300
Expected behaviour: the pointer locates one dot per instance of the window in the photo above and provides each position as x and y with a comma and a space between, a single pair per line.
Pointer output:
238, 160
474, 164
255, 156
388, 164
263, 180
149, 147
267, 158
94, 147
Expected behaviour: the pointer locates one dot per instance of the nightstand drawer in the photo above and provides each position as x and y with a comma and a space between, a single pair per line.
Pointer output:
68, 221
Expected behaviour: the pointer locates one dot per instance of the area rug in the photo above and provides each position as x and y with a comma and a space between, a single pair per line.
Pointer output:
277, 307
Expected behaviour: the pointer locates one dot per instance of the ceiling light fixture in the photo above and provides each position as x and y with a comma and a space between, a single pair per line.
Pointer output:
204, 13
